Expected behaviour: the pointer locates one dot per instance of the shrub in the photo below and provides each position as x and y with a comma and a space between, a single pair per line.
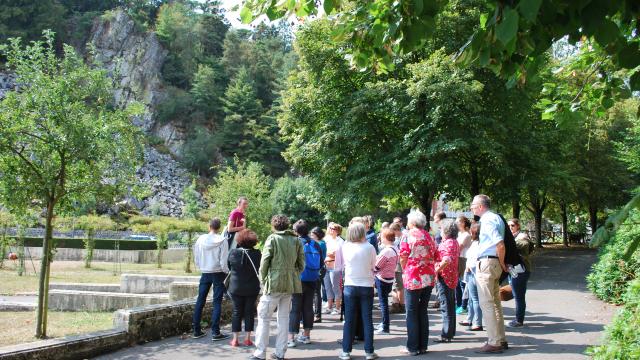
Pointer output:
622, 338
611, 275
243, 179
294, 198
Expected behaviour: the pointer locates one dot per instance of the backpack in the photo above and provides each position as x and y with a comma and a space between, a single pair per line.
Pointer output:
511, 256
312, 256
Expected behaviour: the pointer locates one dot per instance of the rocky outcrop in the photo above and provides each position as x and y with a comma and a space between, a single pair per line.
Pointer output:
166, 180
7, 83
135, 59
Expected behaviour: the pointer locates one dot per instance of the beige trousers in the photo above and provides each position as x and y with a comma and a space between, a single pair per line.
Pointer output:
487, 280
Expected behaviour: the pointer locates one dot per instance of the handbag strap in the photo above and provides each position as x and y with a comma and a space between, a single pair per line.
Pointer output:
244, 251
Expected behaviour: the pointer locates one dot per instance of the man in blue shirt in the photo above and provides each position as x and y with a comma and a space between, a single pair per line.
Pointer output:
490, 266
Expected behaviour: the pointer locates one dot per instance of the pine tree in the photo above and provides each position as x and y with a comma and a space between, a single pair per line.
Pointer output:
241, 124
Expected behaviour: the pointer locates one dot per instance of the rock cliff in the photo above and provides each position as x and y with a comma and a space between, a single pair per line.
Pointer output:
135, 58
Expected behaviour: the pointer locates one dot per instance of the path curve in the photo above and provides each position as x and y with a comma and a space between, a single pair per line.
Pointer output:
563, 318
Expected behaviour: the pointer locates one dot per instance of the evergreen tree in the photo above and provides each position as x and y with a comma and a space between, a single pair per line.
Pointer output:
243, 110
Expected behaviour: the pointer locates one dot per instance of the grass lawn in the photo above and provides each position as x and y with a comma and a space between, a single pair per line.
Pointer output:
19, 327
74, 271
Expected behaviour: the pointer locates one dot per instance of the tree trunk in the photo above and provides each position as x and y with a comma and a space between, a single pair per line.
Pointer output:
565, 224
538, 224
593, 218
43, 288
425, 200
187, 265
475, 182
515, 205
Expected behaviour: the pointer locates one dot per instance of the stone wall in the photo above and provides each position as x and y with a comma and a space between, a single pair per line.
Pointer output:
68, 348
131, 326
126, 256
159, 321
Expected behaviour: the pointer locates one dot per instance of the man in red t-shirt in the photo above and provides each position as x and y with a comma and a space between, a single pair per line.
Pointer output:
237, 220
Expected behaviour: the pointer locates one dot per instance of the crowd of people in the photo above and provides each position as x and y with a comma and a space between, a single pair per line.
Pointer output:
465, 262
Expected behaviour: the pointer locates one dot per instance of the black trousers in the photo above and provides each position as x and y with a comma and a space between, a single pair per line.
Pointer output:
302, 308
244, 307
317, 300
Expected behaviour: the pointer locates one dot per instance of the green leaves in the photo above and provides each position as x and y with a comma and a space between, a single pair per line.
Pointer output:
245, 15
529, 9
507, 29
607, 32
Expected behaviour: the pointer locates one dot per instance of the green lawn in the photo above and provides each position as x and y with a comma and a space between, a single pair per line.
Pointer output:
60, 324
74, 271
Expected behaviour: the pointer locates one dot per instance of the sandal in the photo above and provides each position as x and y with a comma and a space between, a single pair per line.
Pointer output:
464, 323
475, 328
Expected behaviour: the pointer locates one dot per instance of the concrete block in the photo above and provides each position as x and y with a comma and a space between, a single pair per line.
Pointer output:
181, 290
151, 284
125, 256
74, 300
85, 287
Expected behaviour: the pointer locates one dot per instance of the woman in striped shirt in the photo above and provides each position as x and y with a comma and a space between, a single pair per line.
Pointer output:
385, 271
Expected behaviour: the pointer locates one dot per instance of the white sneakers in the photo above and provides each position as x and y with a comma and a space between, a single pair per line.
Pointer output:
371, 356
368, 356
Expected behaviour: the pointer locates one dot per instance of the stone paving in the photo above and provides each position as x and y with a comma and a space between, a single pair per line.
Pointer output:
562, 320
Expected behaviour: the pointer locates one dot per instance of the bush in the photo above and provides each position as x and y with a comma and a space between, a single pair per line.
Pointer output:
293, 197
622, 338
243, 179
611, 275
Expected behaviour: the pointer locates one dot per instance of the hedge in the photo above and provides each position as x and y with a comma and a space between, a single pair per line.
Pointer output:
622, 338
104, 244
611, 275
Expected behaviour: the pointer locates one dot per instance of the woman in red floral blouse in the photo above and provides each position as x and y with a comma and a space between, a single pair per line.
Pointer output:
447, 270
418, 255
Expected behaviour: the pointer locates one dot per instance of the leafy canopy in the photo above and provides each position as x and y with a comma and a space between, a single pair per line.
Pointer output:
510, 38
61, 139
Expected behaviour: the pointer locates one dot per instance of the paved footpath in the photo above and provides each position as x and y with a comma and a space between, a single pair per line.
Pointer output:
562, 319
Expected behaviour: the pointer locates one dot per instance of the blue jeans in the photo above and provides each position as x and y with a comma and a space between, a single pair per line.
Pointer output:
415, 302
384, 289
363, 296
207, 280
460, 302
475, 313
519, 289
446, 295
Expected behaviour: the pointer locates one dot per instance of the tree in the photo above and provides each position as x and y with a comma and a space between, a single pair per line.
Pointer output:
92, 224
175, 28
208, 88
191, 227
61, 139
200, 152
510, 38
27, 19
243, 178
6, 220
294, 197
241, 124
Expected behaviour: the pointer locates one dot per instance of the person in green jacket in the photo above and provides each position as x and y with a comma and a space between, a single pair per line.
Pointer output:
280, 268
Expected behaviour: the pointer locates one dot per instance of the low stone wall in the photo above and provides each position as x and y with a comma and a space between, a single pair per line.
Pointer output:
85, 287
73, 300
126, 256
68, 348
151, 284
131, 326
155, 322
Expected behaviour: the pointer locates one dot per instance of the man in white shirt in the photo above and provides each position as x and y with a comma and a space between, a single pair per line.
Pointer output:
490, 264
210, 254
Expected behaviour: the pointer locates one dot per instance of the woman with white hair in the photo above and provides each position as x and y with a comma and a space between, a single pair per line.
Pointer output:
418, 254
358, 258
